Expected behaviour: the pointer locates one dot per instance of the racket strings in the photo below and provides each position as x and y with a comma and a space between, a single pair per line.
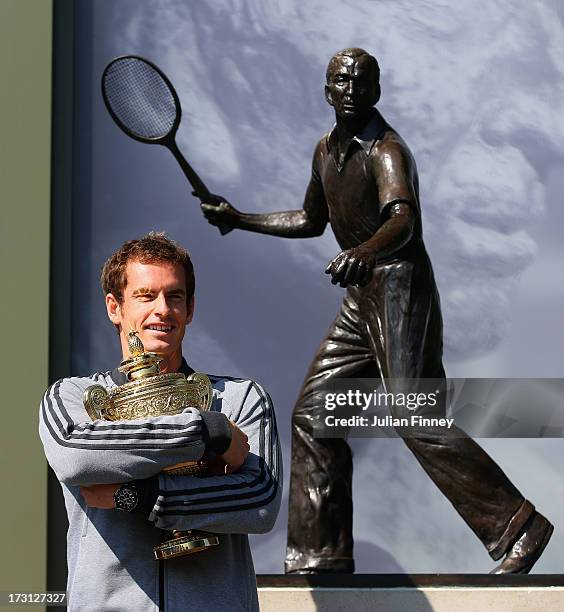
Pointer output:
140, 98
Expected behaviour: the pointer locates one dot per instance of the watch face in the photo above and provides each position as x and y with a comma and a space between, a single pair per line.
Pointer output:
126, 497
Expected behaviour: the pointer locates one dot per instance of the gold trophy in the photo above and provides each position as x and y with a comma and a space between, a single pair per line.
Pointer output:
149, 393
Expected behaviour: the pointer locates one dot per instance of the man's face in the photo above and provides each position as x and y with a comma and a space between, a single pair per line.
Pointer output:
351, 89
154, 304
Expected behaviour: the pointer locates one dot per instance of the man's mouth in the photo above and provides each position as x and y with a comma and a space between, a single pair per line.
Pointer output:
160, 327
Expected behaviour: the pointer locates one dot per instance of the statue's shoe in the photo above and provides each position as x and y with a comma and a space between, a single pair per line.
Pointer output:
528, 548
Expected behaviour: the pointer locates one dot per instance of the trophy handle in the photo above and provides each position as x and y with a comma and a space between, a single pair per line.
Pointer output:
95, 400
204, 388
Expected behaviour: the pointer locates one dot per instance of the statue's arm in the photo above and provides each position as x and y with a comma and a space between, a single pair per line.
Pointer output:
354, 266
310, 221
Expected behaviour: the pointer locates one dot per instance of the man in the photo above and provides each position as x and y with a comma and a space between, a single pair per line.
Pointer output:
149, 287
364, 182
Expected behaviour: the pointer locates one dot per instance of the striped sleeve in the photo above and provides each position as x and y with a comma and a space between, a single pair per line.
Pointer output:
85, 452
246, 501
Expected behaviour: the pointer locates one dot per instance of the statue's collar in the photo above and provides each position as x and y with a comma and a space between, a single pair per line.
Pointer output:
370, 133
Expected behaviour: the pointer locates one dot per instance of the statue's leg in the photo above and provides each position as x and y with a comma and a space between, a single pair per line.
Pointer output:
320, 500
405, 328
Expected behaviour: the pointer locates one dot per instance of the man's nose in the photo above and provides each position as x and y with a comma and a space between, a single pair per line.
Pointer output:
161, 305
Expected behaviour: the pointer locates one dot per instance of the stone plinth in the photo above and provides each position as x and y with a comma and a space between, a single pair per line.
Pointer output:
412, 593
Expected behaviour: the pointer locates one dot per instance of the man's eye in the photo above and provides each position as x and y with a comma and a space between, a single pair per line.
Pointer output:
145, 297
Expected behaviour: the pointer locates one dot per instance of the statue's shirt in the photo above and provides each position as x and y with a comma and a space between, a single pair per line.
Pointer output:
377, 170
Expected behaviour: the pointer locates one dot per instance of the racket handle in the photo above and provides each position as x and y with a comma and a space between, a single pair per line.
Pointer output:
200, 189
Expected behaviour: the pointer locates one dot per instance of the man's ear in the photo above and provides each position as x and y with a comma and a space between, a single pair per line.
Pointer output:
190, 310
113, 309
328, 95
377, 93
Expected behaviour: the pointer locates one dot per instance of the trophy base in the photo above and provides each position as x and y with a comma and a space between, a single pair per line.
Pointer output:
185, 543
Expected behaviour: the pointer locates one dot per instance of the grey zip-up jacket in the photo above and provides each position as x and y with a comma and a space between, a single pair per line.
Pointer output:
109, 553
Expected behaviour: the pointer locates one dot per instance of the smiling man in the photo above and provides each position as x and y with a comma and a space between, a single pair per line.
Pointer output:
157, 301
364, 183
118, 501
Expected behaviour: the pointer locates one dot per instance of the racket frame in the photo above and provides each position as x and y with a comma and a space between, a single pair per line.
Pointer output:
168, 140
162, 140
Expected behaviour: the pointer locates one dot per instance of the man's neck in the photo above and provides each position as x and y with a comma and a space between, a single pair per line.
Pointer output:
171, 364
347, 129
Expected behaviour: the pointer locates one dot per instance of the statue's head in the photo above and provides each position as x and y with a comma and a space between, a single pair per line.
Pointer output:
353, 83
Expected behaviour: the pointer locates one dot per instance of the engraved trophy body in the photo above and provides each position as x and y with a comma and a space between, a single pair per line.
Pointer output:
149, 393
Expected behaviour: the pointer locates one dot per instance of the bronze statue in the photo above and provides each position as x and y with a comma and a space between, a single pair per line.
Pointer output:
364, 183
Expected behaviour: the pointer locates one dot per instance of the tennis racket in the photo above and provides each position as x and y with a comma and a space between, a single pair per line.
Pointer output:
145, 105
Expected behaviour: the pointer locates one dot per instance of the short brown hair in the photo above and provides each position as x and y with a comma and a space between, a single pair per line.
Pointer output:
154, 247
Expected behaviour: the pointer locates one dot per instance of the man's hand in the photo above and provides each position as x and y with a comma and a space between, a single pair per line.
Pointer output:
352, 267
220, 213
100, 495
238, 450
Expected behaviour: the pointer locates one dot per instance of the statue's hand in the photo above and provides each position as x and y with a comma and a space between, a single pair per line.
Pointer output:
352, 267
220, 213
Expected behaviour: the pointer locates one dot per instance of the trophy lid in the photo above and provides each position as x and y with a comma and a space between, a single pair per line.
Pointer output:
140, 364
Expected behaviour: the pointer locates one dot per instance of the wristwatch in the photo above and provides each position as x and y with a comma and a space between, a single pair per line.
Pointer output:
127, 497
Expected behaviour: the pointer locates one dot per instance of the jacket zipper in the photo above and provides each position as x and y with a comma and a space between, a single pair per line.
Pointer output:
161, 587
